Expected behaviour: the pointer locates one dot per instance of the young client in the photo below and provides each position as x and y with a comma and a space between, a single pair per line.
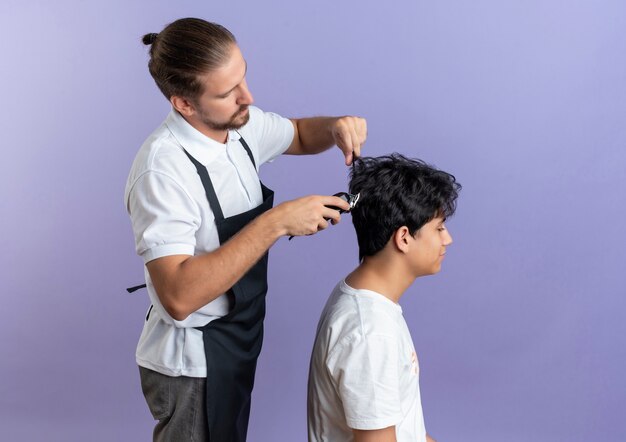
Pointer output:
364, 373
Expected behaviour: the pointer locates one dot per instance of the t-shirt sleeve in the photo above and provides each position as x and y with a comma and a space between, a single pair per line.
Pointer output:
164, 217
366, 375
273, 133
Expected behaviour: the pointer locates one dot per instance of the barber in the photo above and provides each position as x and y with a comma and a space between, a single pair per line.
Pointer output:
203, 223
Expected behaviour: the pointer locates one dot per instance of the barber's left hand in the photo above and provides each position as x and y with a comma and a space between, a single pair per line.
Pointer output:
349, 134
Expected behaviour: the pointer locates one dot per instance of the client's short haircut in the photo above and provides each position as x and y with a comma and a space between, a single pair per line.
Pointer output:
397, 191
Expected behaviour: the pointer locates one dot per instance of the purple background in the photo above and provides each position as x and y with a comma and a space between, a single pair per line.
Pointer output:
522, 335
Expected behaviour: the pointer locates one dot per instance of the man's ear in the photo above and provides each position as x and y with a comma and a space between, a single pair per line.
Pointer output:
183, 105
401, 239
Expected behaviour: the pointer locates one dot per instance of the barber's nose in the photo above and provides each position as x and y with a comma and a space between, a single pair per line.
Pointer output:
246, 97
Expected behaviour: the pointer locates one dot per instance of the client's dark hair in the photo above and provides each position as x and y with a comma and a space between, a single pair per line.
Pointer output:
397, 191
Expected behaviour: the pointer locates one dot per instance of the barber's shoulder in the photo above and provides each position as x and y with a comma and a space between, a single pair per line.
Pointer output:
255, 112
260, 118
162, 156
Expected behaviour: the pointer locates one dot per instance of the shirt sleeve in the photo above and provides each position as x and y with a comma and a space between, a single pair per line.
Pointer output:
164, 217
365, 373
273, 133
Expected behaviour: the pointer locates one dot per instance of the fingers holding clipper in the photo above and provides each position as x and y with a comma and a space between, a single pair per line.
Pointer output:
322, 225
332, 215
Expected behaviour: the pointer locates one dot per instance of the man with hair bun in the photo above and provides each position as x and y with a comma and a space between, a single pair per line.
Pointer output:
203, 223
364, 373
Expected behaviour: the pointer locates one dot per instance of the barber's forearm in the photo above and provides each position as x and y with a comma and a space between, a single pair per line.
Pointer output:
315, 135
186, 283
312, 135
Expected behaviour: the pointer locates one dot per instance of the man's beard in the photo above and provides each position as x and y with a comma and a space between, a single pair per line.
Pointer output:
235, 122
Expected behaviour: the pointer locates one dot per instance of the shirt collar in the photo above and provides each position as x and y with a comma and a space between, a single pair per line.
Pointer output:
198, 145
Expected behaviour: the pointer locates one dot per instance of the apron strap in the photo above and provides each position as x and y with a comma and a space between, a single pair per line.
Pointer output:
208, 188
245, 146
135, 288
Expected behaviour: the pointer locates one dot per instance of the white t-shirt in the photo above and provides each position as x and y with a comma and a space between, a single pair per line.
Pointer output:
170, 215
364, 371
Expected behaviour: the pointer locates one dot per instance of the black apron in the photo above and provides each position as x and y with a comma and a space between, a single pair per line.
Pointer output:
233, 342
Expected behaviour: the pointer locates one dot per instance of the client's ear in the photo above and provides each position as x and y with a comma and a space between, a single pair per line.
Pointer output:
401, 239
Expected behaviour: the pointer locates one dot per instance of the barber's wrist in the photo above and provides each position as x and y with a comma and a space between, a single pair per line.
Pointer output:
273, 224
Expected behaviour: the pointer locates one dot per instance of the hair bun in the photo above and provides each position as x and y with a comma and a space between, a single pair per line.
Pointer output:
148, 39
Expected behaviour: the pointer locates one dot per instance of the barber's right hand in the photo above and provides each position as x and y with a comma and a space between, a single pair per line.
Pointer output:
309, 214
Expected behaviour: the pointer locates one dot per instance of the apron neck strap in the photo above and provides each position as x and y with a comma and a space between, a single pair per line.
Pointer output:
245, 146
208, 188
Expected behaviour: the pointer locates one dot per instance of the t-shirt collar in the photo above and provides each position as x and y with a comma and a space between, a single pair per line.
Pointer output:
199, 146
378, 297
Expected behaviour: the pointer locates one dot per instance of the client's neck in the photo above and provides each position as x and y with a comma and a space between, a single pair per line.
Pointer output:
383, 274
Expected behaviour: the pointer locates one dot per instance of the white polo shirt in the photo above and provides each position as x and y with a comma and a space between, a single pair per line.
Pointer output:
170, 215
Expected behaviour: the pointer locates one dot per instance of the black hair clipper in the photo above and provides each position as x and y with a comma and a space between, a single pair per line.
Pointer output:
347, 197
